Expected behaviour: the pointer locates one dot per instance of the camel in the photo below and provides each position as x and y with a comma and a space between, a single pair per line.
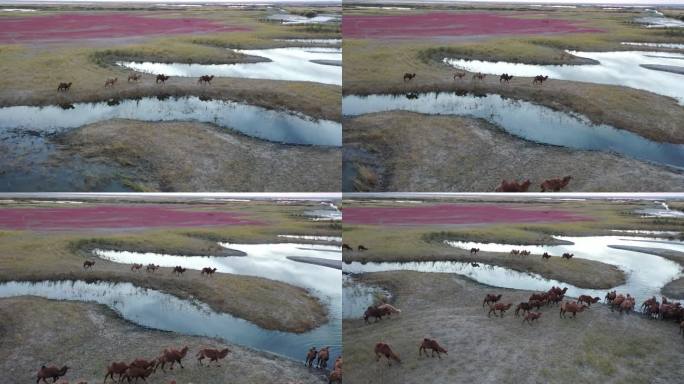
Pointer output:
136, 267
335, 376
475, 265
501, 307
525, 253
388, 309
212, 355
115, 369
379, 311
346, 247
338, 363
362, 248
490, 298
151, 268
172, 356
572, 307
64, 87
539, 79
546, 256
524, 307
627, 305
610, 296
588, 300
412, 96
88, 264
474, 250
459, 75
311, 356
555, 185
208, 271
136, 373
142, 363
205, 79
568, 256
51, 372
162, 79
383, 349
134, 76
513, 186
531, 316
479, 76
323, 356
409, 76
515, 251
433, 346
505, 78
178, 270
111, 82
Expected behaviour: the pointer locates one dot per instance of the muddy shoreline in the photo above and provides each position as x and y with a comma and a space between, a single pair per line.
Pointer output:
103, 337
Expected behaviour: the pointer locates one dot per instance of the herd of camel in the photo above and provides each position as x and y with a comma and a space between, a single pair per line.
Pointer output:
135, 77
319, 359
135, 267
504, 78
139, 368
624, 303
550, 185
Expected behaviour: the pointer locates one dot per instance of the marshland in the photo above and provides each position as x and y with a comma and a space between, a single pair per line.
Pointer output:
104, 280
123, 90
435, 259
446, 97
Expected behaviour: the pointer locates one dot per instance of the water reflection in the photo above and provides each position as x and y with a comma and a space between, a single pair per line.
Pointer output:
277, 126
292, 64
617, 68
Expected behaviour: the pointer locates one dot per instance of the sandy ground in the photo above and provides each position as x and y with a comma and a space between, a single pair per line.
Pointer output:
88, 337
184, 156
414, 152
596, 347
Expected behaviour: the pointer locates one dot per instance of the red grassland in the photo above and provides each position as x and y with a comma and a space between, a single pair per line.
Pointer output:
74, 26
112, 216
455, 214
445, 24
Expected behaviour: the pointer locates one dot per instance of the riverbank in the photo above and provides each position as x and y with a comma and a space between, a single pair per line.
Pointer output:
402, 155
102, 337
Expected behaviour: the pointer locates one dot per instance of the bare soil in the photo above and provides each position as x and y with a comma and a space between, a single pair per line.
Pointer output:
186, 156
597, 346
88, 337
414, 152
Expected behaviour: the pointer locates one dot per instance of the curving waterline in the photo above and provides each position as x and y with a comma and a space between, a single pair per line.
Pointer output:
157, 310
525, 120
614, 68
646, 274
277, 126
269, 261
291, 64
